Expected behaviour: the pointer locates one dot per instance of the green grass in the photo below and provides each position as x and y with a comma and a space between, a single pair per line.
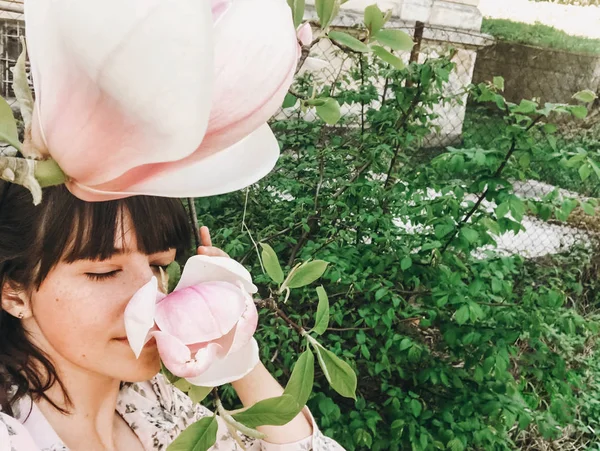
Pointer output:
539, 35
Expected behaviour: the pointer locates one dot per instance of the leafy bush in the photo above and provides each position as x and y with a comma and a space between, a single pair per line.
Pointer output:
455, 347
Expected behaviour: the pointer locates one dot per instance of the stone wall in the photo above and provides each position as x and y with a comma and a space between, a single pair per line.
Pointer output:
532, 72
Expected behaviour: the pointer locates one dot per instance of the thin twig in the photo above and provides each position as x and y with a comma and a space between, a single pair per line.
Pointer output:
481, 198
194, 221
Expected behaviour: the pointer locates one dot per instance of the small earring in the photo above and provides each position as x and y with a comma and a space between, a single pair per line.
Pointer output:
21, 315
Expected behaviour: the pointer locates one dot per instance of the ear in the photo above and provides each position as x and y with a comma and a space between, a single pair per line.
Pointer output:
15, 301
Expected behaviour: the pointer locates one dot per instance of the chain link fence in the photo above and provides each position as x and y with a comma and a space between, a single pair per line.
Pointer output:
546, 76
549, 76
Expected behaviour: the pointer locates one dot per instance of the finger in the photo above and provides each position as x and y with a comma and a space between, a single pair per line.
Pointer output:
205, 236
212, 251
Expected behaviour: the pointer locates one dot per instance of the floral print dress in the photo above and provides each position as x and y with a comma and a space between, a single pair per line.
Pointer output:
156, 411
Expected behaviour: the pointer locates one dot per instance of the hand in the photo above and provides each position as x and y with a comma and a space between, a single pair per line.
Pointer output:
206, 247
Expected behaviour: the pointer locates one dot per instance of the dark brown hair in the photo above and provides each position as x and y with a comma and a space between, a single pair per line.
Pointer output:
33, 239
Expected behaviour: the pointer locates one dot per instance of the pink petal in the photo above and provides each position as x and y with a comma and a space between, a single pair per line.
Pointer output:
232, 368
246, 326
254, 67
232, 169
201, 313
202, 268
219, 8
178, 358
139, 315
305, 34
111, 99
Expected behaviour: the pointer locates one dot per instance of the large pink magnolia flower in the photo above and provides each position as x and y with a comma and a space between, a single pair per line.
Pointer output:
204, 328
159, 97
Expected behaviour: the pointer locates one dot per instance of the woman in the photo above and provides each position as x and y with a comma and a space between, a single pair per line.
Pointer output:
68, 377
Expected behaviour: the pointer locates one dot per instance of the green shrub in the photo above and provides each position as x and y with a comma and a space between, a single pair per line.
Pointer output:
453, 349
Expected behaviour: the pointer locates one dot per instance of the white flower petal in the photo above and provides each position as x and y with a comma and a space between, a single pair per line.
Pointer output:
139, 315
202, 268
233, 367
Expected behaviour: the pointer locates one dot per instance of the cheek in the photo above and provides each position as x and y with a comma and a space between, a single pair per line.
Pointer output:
78, 316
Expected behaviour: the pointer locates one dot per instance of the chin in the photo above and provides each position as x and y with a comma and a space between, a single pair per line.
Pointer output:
142, 369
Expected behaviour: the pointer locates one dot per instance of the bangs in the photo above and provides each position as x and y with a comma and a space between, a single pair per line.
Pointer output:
74, 229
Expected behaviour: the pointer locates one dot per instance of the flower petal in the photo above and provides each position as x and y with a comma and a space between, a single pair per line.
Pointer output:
305, 34
202, 268
254, 66
202, 312
232, 368
105, 102
139, 315
219, 8
246, 326
178, 359
232, 169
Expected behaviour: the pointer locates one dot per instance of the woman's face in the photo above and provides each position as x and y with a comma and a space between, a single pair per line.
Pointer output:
77, 313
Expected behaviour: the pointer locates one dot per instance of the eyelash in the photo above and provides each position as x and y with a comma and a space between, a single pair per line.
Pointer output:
107, 275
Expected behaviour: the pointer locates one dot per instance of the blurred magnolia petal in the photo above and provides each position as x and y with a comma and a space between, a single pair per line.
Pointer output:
126, 109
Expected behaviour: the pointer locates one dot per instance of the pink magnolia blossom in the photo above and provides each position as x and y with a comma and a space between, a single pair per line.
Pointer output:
159, 97
204, 329
305, 34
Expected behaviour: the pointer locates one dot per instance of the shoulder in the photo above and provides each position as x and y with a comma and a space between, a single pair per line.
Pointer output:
14, 436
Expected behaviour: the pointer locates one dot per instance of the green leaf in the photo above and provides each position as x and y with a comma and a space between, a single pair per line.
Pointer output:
297, 7
316, 102
499, 83
595, 168
462, 315
395, 39
168, 375
198, 394
585, 96
349, 41
470, 234
502, 209
301, 381
271, 262
585, 171
455, 445
406, 263
526, 107
289, 101
388, 57
588, 208
339, 374
8, 125
272, 411
200, 436
416, 407
579, 111
322, 319
182, 385
329, 111
525, 160
326, 11
374, 19
306, 274
174, 274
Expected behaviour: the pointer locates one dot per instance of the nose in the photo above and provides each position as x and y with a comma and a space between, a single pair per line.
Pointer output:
142, 273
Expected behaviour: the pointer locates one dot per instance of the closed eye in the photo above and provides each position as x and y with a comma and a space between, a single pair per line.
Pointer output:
102, 275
